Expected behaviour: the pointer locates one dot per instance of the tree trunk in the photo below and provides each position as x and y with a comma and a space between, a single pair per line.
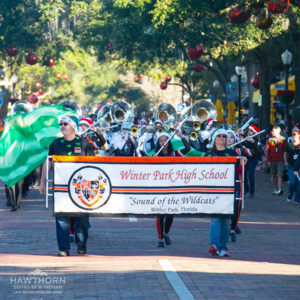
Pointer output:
265, 81
252, 69
295, 30
3, 108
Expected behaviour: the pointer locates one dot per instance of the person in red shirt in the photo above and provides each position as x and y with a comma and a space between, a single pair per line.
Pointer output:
275, 148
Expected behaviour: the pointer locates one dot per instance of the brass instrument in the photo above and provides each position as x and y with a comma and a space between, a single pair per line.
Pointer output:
202, 110
247, 124
159, 129
167, 114
69, 105
121, 111
197, 126
22, 106
134, 130
104, 117
193, 136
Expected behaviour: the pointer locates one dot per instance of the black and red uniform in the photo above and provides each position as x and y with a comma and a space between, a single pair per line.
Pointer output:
164, 222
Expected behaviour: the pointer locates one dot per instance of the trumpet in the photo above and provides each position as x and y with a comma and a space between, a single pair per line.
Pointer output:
134, 130
156, 129
197, 126
160, 129
193, 136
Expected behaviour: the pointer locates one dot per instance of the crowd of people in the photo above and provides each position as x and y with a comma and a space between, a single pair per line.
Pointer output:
276, 151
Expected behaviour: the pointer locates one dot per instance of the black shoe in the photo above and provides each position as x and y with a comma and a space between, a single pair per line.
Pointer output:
233, 237
14, 208
160, 244
64, 252
81, 249
167, 240
238, 230
280, 192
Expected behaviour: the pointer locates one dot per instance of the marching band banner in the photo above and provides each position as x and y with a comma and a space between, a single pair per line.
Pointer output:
144, 185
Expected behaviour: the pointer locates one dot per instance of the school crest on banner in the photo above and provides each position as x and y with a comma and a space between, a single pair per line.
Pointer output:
89, 188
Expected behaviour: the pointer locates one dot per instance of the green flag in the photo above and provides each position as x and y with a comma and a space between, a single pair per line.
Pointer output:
178, 145
25, 141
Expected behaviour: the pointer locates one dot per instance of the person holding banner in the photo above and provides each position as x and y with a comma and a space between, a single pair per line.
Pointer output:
164, 222
69, 145
219, 226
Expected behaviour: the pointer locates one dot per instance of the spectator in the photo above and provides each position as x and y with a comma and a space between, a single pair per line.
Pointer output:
275, 147
291, 154
297, 174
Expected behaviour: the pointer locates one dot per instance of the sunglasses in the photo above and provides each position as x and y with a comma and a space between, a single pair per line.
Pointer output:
63, 124
222, 136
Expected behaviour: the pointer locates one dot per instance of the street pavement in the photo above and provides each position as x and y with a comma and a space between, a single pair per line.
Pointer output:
123, 261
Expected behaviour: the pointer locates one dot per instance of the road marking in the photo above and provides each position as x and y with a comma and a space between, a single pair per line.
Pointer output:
133, 219
176, 282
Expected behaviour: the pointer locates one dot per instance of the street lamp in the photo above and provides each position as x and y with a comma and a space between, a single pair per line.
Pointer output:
286, 57
239, 72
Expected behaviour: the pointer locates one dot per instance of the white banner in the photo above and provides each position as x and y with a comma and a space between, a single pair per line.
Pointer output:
144, 185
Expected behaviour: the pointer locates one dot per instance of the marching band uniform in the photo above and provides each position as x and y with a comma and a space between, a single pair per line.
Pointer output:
124, 144
240, 151
95, 138
253, 154
164, 222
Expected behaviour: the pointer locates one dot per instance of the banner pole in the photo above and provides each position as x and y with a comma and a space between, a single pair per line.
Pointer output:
243, 182
47, 178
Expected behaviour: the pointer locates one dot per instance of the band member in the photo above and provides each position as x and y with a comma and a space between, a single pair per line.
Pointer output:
93, 135
232, 138
164, 222
124, 144
253, 156
69, 145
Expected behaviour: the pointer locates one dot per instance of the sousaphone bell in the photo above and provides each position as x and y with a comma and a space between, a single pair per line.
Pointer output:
203, 110
21, 106
167, 114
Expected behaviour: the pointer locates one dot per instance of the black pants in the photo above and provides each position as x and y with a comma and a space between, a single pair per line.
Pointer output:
236, 215
163, 224
14, 194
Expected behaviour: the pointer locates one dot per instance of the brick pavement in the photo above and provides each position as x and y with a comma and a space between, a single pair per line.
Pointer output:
123, 261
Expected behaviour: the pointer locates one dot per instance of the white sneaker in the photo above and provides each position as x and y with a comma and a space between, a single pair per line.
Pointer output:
288, 200
275, 192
